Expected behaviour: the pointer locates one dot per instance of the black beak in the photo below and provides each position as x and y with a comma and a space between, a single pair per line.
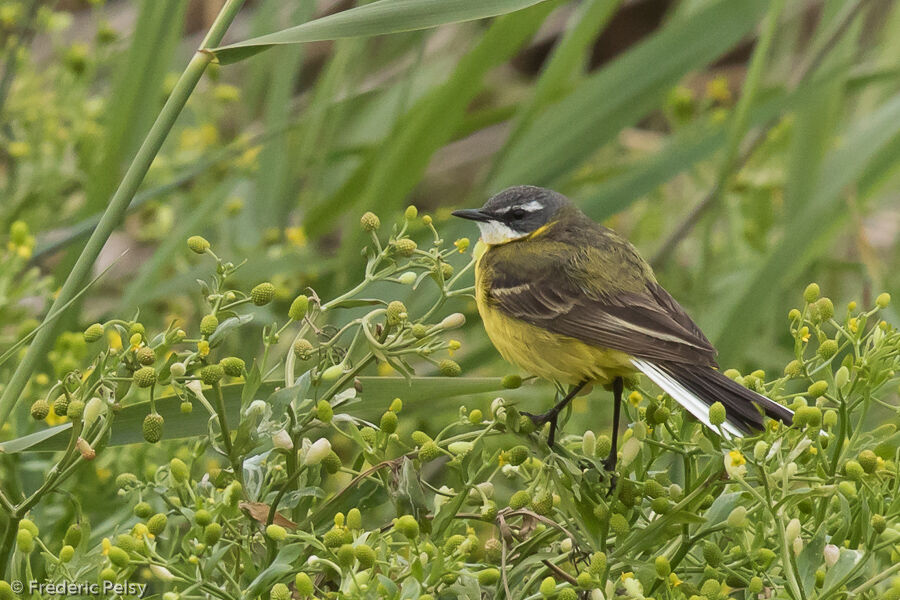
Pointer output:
472, 214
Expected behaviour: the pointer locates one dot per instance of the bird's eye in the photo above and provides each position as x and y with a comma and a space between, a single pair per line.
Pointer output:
518, 213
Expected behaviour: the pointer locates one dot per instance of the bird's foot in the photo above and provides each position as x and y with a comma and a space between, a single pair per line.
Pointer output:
540, 420
609, 465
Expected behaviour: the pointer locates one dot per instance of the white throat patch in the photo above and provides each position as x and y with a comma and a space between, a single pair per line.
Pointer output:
495, 232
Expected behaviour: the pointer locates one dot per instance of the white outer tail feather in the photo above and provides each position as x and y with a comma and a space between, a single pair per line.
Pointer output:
684, 397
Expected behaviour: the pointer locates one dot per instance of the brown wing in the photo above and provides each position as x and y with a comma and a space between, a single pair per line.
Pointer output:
595, 294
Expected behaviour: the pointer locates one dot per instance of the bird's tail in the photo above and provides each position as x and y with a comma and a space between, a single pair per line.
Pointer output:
697, 387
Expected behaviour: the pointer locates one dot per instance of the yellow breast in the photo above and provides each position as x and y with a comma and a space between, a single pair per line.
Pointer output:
543, 353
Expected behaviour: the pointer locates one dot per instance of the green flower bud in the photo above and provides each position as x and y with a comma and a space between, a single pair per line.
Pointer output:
820, 578
370, 221
453, 542
118, 556
764, 557
298, 308
449, 368
853, 470
419, 331
396, 313
808, 416
365, 555
585, 581
212, 533
332, 463
66, 554
209, 324
619, 525
517, 455
107, 574
712, 554
811, 293
841, 377
408, 526
604, 445
879, 524
396, 405
276, 532
332, 372
144, 377
493, 550
304, 584
848, 488
542, 503
429, 451
511, 382
488, 577
737, 518
827, 349
755, 586
567, 594
420, 438
93, 333
411, 212
61, 405
883, 300
405, 247
198, 244
519, 499
6, 591
202, 517
407, 278
717, 413
40, 409
186, 408
548, 587
157, 523
212, 374
597, 565
30, 526
75, 410
280, 591
794, 368
817, 388
868, 460
232, 366
262, 294
354, 519
25, 541
388, 422
830, 418
303, 349
179, 470
73, 535
152, 427
823, 309
663, 568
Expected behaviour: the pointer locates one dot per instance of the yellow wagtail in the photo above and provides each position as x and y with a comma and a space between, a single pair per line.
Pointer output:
569, 300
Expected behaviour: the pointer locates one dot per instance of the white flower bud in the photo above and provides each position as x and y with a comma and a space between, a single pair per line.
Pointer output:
596, 594
509, 471
566, 545
792, 531
443, 497
161, 573
453, 321
407, 278
791, 469
177, 369
497, 404
460, 447
282, 439
257, 407
630, 450
841, 377
588, 443
831, 553
760, 449
797, 545
317, 452
92, 410
486, 488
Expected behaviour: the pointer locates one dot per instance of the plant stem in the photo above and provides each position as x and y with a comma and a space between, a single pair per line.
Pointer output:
9, 538
118, 205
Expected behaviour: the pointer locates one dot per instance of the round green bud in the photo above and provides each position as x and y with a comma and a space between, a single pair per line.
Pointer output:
144, 377
280, 591
365, 555
6, 591
262, 294
519, 499
212, 533
737, 518
75, 410
396, 405
764, 557
61, 405
127, 542
332, 463
276, 532
517, 455
820, 578
25, 541
755, 586
209, 324
303, 349
548, 587
118, 556
429, 451
354, 519
717, 413
370, 221
827, 349
567, 594
660, 505
93, 333
40, 409
324, 411
879, 524
212, 374
619, 525
597, 564
488, 577
841, 377
405, 247
794, 368
420, 438
126, 480
449, 368
408, 526
475, 417
489, 511
493, 550
808, 416
107, 574
712, 554
663, 568
817, 389
654, 489
30, 526
202, 517
332, 372
853, 470
604, 445
511, 382
660, 415
824, 309
794, 314
304, 584
186, 407
883, 300
868, 460
232, 365
136, 329
585, 581
73, 535
848, 489
179, 470
66, 553
388, 422
419, 331
198, 244
453, 542
152, 427
396, 312
811, 293
145, 355
368, 435
142, 510
411, 212
298, 308
157, 523
830, 418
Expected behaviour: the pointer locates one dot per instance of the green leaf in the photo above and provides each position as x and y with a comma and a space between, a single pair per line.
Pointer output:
283, 564
445, 515
29, 441
378, 18
619, 95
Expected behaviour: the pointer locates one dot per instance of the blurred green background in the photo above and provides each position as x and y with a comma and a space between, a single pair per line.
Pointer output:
746, 147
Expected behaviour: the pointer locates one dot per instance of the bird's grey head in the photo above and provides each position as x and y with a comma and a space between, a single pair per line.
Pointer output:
515, 212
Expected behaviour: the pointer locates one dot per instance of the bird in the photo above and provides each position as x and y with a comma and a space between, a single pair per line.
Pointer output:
569, 300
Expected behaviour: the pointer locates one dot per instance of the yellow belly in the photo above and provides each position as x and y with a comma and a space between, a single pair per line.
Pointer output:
549, 355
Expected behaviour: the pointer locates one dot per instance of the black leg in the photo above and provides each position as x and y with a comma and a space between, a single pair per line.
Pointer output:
551, 415
610, 462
